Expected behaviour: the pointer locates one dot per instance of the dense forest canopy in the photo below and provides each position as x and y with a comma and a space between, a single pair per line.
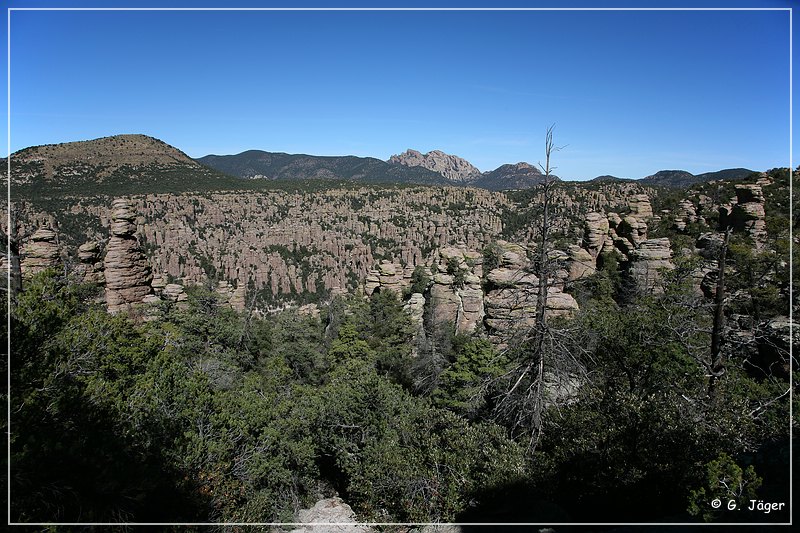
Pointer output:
203, 413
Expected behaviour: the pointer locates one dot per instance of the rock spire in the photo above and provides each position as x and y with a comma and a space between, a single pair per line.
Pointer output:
127, 273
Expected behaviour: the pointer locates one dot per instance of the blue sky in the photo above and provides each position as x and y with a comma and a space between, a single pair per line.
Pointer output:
630, 92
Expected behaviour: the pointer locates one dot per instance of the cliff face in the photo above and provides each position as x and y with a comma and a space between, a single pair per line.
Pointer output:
452, 167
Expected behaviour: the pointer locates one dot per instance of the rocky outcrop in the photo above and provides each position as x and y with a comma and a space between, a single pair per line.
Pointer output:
640, 206
173, 292
707, 246
90, 266
232, 296
511, 299
127, 273
456, 293
645, 259
685, 214
41, 252
451, 167
458, 300
748, 213
595, 233
387, 276
445, 301
284, 243
325, 517
580, 263
630, 229
158, 283
649, 261
415, 307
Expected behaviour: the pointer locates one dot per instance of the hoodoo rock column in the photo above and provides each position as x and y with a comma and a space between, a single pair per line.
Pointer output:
127, 272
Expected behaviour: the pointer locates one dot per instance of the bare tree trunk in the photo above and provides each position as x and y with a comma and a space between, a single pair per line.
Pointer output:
717, 358
543, 272
524, 400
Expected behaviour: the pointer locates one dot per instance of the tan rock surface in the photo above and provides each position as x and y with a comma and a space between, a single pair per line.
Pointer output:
640, 206
748, 213
649, 261
40, 253
331, 515
90, 265
581, 264
595, 232
126, 270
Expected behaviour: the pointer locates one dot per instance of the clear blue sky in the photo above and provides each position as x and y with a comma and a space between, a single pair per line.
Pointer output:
630, 92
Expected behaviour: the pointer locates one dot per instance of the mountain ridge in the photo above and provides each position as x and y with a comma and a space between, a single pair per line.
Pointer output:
259, 164
125, 163
132, 160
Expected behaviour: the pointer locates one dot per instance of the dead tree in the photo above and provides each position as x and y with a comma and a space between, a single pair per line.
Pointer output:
522, 404
717, 368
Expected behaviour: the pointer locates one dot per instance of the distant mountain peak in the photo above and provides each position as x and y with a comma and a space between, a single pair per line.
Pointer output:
606, 178
116, 163
104, 156
682, 178
522, 166
520, 175
452, 167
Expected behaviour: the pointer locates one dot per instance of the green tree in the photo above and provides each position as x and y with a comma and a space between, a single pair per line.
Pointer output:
726, 482
397, 458
464, 386
642, 427
420, 280
76, 453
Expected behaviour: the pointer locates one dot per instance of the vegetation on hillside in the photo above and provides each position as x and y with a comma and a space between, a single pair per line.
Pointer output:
200, 413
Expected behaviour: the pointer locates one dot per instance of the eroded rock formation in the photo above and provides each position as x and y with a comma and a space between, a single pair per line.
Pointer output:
595, 233
90, 266
580, 263
685, 214
649, 261
511, 300
127, 272
748, 212
330, 512
41, 252
646, 259
640, 206
232, 296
